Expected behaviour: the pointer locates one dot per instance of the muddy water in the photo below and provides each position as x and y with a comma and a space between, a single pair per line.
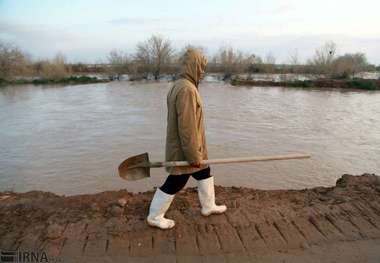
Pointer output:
71, 139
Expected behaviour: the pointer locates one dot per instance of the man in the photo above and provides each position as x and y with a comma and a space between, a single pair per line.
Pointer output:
185, 140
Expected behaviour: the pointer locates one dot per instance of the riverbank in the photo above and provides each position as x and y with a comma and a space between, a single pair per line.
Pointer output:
72, 80
362, 84
323, 224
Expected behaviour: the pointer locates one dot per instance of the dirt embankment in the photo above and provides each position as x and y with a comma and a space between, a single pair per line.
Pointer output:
335, 224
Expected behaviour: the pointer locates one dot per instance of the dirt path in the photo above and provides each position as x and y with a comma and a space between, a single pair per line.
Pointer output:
337, 224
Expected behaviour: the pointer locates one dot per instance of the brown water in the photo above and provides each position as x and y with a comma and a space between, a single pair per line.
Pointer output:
71, 139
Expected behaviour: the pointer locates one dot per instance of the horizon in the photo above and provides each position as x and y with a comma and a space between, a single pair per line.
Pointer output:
86, 31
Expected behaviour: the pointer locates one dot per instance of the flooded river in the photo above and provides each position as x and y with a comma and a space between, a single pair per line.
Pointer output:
70, 139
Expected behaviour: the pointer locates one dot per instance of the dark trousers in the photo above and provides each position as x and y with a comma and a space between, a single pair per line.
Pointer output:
175, 183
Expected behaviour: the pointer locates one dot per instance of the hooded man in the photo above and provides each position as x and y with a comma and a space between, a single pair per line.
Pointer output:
185, 141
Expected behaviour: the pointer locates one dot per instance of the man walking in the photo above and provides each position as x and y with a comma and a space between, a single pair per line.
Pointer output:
185, 141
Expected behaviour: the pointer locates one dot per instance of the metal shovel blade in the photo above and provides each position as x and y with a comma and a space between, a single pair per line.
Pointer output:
135, 168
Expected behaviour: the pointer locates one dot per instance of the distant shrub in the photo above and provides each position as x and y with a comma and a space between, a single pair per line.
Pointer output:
81, 79
298, 84
364, 84
346, 66
307, 83
54, 69
3, 82
69, 80
40, 81
323, 59
13, 61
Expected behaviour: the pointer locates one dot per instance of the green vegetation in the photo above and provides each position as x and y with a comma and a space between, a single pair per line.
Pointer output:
3, 82
362, 84
66, 81
300, 84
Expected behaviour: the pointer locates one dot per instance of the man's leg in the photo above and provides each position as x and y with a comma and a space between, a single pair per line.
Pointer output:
162, 199
174, 183
206, 193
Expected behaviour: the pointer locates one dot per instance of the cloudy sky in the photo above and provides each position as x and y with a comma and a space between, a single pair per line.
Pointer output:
87, 30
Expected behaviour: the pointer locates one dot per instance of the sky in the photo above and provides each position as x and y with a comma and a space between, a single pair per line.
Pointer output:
87, 30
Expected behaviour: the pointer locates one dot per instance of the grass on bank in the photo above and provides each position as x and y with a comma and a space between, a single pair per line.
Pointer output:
68, 80
363, 84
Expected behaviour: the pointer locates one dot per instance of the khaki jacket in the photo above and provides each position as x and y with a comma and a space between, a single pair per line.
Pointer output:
185, 137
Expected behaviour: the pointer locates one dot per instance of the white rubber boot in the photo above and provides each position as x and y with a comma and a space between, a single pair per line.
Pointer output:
158, 207
206, 195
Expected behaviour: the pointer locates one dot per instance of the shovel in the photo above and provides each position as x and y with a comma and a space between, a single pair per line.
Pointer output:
138, 167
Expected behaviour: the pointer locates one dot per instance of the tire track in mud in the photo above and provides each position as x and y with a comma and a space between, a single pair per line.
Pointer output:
264, 223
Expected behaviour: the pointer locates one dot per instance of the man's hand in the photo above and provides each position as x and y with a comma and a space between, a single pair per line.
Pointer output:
195, 164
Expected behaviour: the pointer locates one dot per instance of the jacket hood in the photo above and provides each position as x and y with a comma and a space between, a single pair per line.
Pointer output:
192, 63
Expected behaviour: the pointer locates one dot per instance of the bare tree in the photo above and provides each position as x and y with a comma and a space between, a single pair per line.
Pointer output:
154, 55
255, 64
119, 63
13, 61
349, 64
324, 57
294, 61
270, 59
56, 68
143, 58
294, 58
269, 63
232, 61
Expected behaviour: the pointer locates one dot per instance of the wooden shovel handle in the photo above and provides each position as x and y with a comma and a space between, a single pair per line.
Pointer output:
234, 160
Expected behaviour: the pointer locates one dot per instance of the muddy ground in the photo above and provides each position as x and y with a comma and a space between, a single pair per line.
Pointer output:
335, 224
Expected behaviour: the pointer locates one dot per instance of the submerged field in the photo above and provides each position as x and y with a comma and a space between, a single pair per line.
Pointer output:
71, 139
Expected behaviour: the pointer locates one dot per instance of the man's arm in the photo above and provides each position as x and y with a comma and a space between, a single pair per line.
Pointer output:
186, 106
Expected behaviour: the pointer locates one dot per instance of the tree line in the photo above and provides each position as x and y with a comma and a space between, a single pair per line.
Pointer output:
156, 56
